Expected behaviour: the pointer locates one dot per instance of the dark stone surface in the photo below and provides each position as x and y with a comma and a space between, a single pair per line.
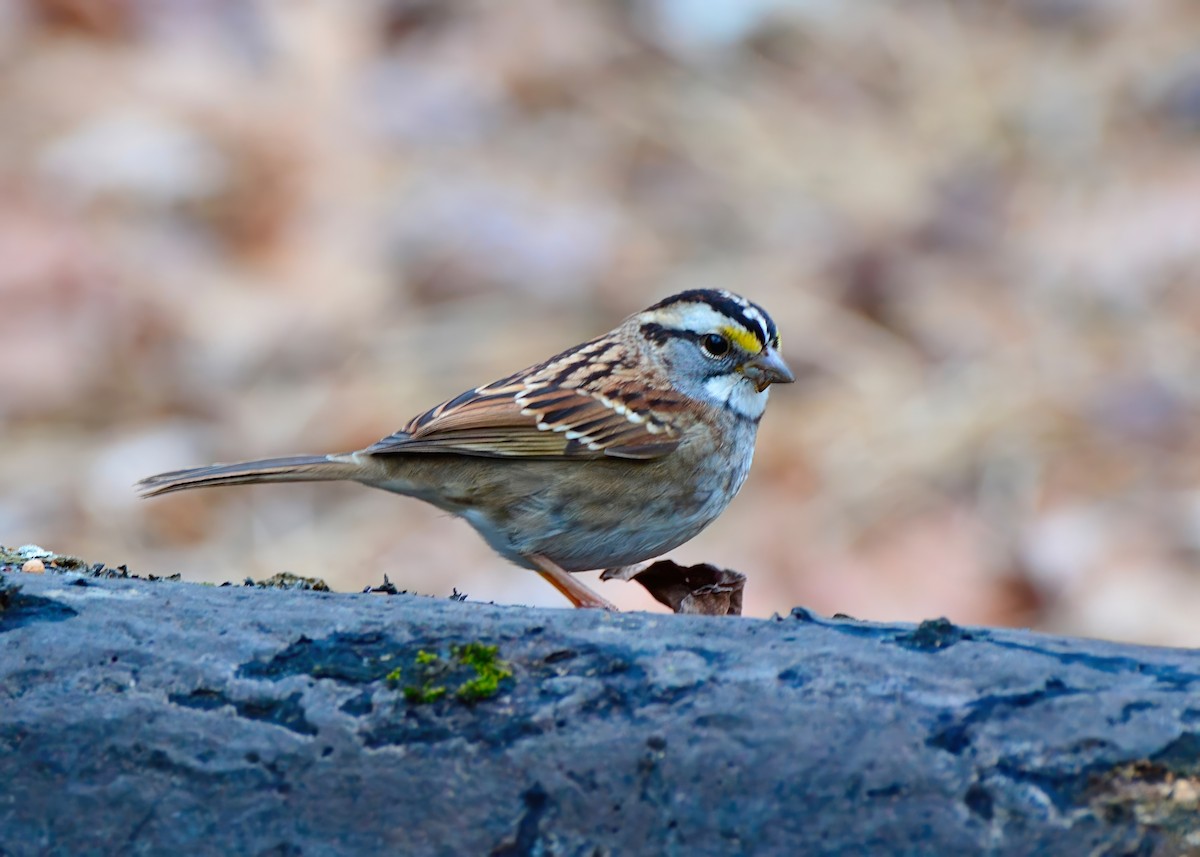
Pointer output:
140, 718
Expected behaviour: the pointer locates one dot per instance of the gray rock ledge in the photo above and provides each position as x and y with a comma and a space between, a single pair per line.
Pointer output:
160, 718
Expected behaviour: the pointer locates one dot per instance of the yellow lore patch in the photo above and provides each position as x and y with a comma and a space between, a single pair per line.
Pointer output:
745, 340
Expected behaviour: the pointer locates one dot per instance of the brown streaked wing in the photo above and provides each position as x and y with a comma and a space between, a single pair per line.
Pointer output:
507, 419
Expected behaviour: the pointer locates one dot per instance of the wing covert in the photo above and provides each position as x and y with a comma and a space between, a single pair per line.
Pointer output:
545, 413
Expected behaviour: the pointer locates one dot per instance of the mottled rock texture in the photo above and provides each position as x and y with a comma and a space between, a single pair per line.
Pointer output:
152, 718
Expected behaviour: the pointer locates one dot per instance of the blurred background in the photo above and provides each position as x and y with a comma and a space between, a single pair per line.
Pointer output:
234, 229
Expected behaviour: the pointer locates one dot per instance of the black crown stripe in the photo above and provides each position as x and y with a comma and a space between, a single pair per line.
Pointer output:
729, 305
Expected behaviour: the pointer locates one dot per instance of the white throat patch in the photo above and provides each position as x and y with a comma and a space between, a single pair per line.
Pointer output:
736, 392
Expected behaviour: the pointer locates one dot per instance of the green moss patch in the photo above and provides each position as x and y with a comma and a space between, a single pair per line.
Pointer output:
474, 670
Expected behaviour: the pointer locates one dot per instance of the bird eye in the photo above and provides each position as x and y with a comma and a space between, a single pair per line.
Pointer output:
715, 345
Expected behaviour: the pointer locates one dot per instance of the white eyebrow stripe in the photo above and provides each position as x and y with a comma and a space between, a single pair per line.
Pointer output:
700, 319
752, 313
701, 316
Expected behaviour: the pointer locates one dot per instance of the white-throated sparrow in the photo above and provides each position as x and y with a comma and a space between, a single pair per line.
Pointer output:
610, 453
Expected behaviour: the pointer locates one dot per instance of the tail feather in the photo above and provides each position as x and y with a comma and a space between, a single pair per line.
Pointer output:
295, 468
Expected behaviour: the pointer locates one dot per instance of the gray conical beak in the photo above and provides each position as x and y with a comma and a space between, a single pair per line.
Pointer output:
766, 369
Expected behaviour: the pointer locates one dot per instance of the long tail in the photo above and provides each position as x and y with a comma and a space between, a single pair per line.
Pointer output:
295, 468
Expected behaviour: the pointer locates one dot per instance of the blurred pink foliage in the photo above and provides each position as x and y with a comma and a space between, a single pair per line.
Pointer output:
231, 229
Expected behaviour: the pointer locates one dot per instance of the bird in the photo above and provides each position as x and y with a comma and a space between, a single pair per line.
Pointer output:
606, 455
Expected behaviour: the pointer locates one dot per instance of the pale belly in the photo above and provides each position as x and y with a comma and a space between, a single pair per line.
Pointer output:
581, 545
581, 528
581, 515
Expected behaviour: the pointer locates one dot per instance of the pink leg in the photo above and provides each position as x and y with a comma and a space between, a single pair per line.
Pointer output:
575, 592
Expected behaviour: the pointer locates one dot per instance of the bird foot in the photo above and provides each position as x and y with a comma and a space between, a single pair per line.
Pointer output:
572, 589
